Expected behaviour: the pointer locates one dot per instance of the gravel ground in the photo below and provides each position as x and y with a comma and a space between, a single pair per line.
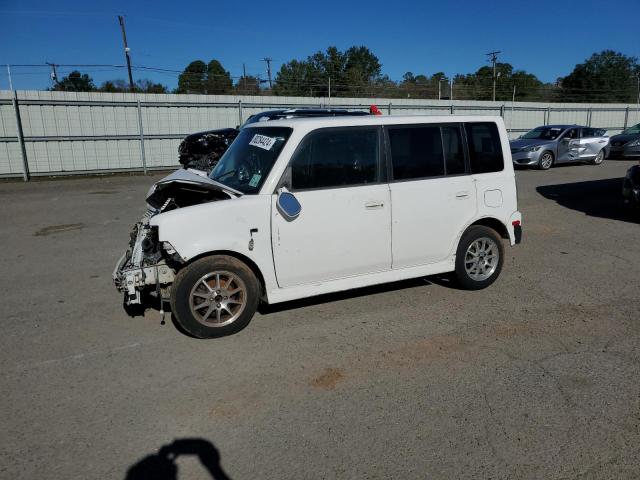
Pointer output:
535, 377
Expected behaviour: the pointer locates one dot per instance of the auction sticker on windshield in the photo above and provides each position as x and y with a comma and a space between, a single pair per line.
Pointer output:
262, 141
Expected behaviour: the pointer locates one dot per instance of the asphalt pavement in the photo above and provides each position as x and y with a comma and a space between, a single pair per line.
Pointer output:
534, 377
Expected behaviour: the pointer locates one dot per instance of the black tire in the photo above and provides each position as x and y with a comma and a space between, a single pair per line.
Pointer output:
543, 164
473, 234
599, 158
189, 288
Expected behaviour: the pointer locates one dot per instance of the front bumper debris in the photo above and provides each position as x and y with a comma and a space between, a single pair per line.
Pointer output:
143, 266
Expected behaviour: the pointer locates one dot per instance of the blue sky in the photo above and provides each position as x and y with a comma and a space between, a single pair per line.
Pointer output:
546, 38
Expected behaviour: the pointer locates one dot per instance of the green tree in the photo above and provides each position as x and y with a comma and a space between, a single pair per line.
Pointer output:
297, 78
479, 85
202, 78
75, 82
141, 86
607, 76
193, 78
114, 86
147, 86
248, 85
218, 79
354, 71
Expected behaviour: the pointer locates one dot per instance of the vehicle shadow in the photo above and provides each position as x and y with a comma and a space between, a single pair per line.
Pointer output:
162, 465
443, 280
596, 198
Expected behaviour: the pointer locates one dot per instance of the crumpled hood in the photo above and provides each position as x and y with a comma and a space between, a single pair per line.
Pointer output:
185, 187
523, 142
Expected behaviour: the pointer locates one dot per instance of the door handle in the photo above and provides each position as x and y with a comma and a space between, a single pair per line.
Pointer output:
463, 194
373, 205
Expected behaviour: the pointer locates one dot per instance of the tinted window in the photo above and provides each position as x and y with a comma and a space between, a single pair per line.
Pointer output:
453, 152
333, 158
588, 132
416, 152
485, 150
571, 133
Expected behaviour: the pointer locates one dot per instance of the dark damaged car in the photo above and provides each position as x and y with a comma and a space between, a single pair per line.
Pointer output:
627, 143
631, 186
202, 150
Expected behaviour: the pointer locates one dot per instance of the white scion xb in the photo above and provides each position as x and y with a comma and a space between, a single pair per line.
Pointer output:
303, 207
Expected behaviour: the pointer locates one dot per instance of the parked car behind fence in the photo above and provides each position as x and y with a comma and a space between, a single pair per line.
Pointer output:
549, 145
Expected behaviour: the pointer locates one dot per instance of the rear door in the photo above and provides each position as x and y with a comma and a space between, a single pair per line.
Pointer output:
592, 141
344, 226
432, 196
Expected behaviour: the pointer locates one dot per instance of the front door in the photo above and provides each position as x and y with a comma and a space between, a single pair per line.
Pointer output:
569, 146
344, 225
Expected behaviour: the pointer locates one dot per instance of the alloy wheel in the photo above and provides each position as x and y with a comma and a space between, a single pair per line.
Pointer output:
218, 298
481, 259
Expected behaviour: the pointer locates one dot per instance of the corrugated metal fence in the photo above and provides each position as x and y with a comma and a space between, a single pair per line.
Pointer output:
67, 132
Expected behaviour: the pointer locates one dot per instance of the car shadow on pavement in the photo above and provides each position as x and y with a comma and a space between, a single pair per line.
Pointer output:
596, 198
162, 465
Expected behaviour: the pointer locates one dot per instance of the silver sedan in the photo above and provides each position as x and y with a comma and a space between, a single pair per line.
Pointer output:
548, 145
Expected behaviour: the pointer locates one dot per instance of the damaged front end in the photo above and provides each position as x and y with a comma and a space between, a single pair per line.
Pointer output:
148, 268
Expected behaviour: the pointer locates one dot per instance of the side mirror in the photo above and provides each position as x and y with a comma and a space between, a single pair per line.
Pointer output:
288, 205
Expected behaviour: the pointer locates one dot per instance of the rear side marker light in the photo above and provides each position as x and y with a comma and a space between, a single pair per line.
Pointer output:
516, 223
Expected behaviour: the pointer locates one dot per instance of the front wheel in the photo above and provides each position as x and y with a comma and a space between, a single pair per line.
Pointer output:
599, 158
479, 257
215, 296
546, 161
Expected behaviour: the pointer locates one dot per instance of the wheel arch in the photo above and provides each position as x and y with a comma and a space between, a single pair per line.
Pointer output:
492, 223
239, 256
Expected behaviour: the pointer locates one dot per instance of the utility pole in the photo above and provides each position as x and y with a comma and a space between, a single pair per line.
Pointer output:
513, 101
329, 90
54, 72
126, 51
244, 71
268, 60
493, 58
9, 75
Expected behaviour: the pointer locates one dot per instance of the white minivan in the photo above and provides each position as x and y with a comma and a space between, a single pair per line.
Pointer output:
303, 207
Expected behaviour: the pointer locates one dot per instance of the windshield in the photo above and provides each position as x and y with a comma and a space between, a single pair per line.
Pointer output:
632, 130
248, 161
543, 133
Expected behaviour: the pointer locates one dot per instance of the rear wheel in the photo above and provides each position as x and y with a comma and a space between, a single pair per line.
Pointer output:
546, 161
479, 257
215, 296
599, 158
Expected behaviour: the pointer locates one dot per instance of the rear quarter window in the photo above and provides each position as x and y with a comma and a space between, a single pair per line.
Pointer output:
485, 148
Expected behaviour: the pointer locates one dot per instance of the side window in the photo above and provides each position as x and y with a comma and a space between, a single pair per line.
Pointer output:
593, 132
572, 133
485, 150
416, 152
453, 152
335, 158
